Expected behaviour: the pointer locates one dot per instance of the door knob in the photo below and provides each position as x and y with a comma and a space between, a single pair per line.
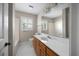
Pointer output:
7, 44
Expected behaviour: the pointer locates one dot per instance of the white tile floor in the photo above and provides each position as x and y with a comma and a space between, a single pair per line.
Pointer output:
25, 49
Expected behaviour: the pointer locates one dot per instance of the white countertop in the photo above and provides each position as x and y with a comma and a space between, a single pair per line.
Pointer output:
58, 45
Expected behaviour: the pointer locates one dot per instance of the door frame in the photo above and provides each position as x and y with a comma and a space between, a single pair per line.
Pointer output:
10, 28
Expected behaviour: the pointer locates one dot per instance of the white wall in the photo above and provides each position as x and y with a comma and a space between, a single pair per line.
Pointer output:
39, 19
25, 35
78, 29
76, 22
75, 29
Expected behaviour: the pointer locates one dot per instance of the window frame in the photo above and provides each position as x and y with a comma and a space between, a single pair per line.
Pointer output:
26, 22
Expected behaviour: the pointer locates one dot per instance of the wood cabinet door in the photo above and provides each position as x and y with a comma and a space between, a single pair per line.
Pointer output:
51, 53
38, 48
42, 49
33, 43
42, 52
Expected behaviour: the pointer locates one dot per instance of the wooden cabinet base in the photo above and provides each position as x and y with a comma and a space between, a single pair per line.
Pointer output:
50, 53
41, 49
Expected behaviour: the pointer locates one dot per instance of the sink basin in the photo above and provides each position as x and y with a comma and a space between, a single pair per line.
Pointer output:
49, 37
44, 38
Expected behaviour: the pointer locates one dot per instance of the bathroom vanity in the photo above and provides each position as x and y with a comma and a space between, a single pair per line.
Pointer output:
41, 49
44, 46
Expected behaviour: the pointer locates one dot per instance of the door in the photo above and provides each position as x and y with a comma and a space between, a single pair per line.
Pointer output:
51, 30
3, 29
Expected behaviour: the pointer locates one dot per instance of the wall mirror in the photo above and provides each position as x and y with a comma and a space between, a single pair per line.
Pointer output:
58, 24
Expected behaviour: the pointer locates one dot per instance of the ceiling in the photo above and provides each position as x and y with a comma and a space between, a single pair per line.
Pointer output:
36, 8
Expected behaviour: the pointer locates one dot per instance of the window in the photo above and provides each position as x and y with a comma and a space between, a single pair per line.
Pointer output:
26, 24
44, 24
